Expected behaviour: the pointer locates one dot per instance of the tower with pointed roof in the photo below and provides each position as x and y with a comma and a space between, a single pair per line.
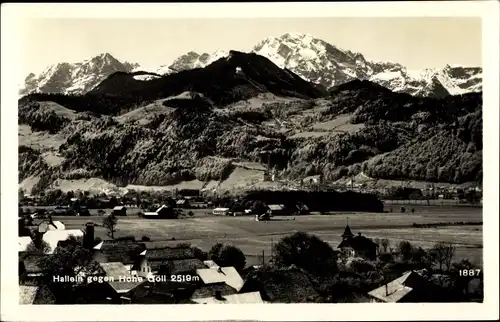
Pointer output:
347, 233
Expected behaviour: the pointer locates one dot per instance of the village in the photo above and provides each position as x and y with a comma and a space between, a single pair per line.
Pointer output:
132, 269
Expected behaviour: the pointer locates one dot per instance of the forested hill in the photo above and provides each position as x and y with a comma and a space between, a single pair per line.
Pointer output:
387, 135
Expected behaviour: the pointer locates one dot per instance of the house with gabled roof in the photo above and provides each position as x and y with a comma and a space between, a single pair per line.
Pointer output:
163, 212
357, 246
284, 285
150, 260
123, 251
181, 266
211, 290
120, 278
411, 287
228, 275
120, 210
182, 203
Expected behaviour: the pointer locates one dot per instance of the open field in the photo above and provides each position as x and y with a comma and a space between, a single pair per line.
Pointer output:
255, 237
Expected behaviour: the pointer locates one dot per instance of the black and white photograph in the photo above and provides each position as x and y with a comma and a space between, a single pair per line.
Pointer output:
250, 160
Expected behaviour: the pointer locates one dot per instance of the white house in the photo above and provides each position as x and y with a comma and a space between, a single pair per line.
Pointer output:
221, 211
23, 243
228, 275
53, 237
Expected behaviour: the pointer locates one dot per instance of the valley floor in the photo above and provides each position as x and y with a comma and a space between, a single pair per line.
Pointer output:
257, 238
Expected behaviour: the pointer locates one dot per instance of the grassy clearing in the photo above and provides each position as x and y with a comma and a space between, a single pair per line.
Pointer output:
339, 124
58, 109
308, 134
142, 114
38, 140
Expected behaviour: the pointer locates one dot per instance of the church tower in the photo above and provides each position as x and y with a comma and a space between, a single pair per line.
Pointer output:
347, 233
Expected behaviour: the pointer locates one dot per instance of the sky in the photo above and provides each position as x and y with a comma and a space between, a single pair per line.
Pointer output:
416, 42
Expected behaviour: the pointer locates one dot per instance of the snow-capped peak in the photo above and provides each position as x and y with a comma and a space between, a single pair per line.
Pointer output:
75, 78
320, 62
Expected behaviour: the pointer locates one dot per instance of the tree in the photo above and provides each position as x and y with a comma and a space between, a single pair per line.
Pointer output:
385, 244
405, 250
449, 253
461, 281
113, 202
259, 207
418, 255
38, 245
443, 254
227, 255
70, 259
307, 252
110, 223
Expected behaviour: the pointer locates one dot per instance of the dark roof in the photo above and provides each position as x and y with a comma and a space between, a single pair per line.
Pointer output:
290, 285
209, 290
347, 232
169, 253
358, 243
164, 293
31, 262
182, 266
410, 287
124, 251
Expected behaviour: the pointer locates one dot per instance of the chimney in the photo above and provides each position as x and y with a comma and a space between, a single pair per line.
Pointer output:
218, 295
359, 234
89, 235
386, 290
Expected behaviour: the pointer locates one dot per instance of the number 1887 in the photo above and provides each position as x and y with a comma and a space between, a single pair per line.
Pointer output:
469, 272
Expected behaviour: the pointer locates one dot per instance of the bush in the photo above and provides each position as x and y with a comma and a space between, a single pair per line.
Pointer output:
361, 266
145, 239
227, 255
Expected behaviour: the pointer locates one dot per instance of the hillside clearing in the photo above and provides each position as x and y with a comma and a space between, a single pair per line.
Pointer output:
39, 140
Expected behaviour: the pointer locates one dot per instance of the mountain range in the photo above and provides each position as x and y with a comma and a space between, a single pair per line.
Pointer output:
311, 58
223, 126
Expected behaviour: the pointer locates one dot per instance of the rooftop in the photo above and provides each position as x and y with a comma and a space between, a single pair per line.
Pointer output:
290, 285
124, 251
169, 253
397, 289
228, 275
182, 266
31, 262
117, 270
276, 207
358, 242
242, 298
347, 232
32, 294
209, 290
23, 243
50, 225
